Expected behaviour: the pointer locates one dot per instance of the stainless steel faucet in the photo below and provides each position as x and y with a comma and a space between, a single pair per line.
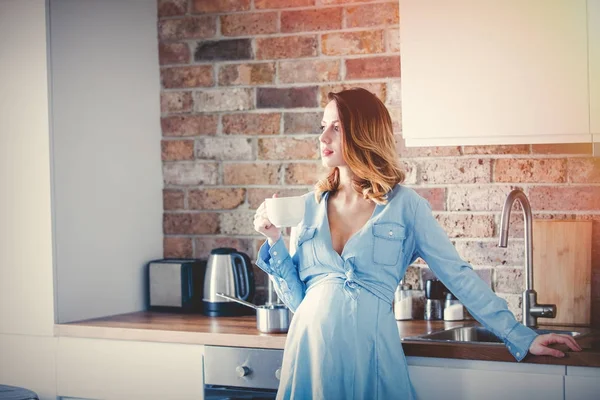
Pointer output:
531, 310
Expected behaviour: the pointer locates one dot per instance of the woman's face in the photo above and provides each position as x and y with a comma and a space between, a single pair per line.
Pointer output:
331, 137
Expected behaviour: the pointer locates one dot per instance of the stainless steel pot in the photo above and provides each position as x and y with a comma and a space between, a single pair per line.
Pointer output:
269, 318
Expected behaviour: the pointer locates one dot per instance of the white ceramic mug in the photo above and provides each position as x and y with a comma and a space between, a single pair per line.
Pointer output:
285, 211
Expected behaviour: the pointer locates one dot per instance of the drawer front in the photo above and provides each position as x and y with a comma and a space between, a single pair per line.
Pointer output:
242, 367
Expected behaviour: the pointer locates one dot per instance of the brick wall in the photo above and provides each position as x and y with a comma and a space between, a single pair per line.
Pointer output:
244, 83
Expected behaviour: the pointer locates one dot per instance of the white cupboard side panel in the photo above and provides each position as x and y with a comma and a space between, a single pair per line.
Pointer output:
26, 277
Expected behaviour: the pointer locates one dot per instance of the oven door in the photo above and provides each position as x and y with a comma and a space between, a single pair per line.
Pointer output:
241, 373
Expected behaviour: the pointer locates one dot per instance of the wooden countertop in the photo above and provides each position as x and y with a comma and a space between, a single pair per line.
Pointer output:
242, 332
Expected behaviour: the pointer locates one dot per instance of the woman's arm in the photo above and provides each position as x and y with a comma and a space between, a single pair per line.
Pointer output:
433, 245
276, 261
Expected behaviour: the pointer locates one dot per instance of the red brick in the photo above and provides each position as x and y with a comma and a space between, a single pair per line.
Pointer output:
224, 99
454, 170
190, 173
173, 53
304, 173
322, 19
216, 199
171, 8
283, 3
409, 152
292, 97
344, 43
189, 125
204, 245
435, 196
574, 198
584, 170
203, 27
247, 74
171, 102
251, 174
249, 24
288, 148
394, 97
372, 14
177, 247
187, 77
373, 67
565, 148
286, 47
410, 172
190, 223
219, 6
223, 50
257, 196
251, 124
327, 2
378, 89
173, 199
302, 122
177, 150
234, 148
309, 71
467, 225
510, 149
393, 40
530, 170
396, 115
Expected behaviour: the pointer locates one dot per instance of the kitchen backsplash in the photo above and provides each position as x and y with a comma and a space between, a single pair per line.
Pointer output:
243, 87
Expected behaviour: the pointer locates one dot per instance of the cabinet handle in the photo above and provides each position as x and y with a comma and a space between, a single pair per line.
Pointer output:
278, 373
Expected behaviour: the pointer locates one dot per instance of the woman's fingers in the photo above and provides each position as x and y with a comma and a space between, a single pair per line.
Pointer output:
540, 344
568, 340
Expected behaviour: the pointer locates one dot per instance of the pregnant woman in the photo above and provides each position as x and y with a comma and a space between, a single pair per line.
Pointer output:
360, 232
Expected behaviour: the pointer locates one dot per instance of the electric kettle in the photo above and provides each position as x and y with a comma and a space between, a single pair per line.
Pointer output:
228, 271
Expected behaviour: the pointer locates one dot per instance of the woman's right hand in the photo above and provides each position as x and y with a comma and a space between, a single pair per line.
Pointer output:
265, 227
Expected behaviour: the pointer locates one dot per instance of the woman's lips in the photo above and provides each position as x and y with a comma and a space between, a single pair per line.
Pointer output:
326, 152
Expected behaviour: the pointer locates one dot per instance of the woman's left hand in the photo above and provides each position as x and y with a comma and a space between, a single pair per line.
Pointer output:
539, 346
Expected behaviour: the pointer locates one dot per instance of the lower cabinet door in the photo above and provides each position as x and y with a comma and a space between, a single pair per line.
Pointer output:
582, 383
450, 383
114, 369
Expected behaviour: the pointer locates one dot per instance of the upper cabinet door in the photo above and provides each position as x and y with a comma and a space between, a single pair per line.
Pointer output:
594, 49
494, 72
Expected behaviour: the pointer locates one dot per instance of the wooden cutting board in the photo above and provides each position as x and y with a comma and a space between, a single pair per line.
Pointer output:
562, 269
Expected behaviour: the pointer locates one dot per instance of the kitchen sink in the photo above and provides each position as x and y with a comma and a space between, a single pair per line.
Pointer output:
479, 334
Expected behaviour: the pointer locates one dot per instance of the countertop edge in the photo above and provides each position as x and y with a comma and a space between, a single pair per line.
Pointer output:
169, 336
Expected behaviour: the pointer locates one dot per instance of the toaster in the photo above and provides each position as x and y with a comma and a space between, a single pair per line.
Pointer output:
175, 285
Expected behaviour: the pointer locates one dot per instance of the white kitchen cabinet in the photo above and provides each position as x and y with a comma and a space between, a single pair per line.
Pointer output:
450, 379
582, 383
114, 369
594, 50
497, 72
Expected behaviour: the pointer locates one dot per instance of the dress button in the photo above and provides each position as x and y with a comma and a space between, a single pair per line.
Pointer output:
274, 253
391, 233
278, 261
518, 354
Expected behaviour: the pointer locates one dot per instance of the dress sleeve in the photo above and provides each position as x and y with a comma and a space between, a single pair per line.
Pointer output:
433, 245
276, 261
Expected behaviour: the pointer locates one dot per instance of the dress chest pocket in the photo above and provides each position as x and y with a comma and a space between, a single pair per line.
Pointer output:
388, 239
305, 250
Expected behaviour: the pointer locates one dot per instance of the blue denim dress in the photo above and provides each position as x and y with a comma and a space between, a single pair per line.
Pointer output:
343, 342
